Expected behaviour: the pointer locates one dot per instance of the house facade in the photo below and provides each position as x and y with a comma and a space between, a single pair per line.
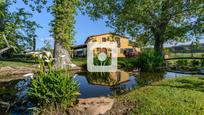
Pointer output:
124, 48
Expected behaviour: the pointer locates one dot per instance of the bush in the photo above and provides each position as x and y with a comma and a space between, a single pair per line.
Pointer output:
150, 60
127, 63
195, 63
182, 63
202, 63
53, 88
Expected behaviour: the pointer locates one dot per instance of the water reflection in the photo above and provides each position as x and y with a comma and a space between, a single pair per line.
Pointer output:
7, 95
13, 98
148, 78
104, 84
108, 79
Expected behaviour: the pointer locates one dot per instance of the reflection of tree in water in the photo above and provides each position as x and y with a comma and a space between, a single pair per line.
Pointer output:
13, 96
110, 82
101, 78
7, 94
117, 89
7, 90
148, 78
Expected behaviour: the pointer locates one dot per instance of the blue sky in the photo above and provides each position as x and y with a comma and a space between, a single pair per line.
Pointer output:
84, 26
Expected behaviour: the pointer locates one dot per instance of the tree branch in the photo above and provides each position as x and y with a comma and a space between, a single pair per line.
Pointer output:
7, 44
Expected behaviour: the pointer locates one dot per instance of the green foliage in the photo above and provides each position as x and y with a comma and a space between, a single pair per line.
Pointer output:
53, 87
150, 60
202, 63
16, 26
182, 95
187, 65
195, 63
182, 62
64, 12
64, 20
151, 21
127, 63
47, 46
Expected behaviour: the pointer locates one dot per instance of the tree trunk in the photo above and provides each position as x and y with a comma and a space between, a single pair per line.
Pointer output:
158, 45
61, 56
34, 44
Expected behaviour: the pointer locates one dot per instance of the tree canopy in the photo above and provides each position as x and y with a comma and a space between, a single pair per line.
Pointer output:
153, 22
16, 26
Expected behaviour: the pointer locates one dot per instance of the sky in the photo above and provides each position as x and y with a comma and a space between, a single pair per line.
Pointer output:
84, 26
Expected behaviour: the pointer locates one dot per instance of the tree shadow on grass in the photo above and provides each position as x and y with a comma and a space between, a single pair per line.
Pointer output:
201, 78
196, 85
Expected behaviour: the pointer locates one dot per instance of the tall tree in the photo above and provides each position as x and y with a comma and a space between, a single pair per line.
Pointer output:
153, 21
15, 27
63, 30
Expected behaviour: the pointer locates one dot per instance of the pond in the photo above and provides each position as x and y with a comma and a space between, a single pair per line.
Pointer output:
91, 85
109, 84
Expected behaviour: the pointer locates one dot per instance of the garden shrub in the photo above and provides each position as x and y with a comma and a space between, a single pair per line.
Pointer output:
150, 60
52, 87
195, 63
202, 63
127, 63
182, 63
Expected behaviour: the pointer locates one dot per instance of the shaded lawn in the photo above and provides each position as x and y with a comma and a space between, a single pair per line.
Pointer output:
183, 95
174, 55
15, 64
79, 61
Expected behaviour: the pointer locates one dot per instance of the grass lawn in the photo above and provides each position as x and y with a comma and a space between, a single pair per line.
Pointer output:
178, 96
174, 55
83, 61
14, 64
79, 61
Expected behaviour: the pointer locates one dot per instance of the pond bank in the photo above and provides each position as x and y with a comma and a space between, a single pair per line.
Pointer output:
10, 73
14, 73
182, 95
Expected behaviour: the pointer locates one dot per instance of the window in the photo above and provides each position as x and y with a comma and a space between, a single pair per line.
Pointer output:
108, 39
129, 50
118, 75
94, 40
103, 39
118, 41
122, 51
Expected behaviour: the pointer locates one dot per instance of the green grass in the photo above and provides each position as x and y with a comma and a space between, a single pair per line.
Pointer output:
79, 61
178, 96
125, 63
14, 64
174, 55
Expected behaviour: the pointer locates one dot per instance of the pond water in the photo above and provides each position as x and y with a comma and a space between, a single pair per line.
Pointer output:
104, 84
91, 85
108, 84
